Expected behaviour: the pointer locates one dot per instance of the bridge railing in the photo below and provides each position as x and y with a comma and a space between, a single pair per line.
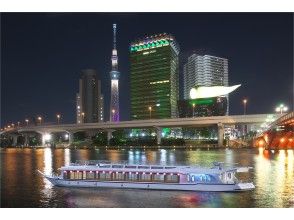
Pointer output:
282, 118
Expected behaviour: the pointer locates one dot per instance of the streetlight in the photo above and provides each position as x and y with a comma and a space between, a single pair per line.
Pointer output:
150, 109
83, 117
281, 108
12, 125
27, 121
18, 123
58, 118
245, 103
40, 120
193, 109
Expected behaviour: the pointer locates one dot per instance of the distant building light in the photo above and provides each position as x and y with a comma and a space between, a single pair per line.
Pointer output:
158, 104
148, 52
159, 82
79, 107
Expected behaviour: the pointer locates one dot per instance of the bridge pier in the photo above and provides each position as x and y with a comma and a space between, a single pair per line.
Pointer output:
44, 136
70, 137
14, 139
220, 139
109, 135
26, 140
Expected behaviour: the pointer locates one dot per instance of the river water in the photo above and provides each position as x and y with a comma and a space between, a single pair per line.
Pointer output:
22, 186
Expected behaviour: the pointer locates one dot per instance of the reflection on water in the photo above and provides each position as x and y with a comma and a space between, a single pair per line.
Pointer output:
22, 186
274, 178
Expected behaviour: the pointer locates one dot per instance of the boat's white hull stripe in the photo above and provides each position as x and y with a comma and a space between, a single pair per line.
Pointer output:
159, 186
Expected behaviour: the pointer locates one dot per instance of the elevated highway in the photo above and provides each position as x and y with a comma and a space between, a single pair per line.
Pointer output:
220, 121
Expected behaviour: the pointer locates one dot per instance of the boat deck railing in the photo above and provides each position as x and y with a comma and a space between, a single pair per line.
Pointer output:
125, 163
98, 162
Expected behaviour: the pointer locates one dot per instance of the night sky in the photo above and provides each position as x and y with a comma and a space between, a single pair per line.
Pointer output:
42, 55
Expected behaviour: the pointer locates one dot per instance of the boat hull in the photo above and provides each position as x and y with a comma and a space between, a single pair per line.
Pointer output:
154, 186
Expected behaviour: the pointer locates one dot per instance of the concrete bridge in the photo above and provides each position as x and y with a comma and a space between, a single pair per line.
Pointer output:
158, 124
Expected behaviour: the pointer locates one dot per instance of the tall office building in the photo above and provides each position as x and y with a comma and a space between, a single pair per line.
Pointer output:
114, 75
89, 103
154, 77
205, 70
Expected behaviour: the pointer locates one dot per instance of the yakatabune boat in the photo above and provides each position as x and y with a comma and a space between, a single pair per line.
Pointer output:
161, 177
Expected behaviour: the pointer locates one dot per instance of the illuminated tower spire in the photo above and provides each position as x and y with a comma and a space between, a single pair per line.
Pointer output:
114, 75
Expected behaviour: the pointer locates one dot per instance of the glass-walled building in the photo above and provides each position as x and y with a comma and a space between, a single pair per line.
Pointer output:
89, 100
154, 77
205, 70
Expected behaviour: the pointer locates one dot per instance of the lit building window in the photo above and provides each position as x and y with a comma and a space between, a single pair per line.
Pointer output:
159, 82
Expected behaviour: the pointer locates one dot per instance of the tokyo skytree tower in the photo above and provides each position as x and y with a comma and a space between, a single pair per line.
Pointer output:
114, 75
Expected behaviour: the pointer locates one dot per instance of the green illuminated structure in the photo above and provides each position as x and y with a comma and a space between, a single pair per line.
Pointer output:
213, 106
154, 77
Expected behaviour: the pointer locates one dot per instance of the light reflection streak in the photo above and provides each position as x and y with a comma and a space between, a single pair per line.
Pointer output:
263, 168
162, 156
66, 157
47, 190
290, 160
229, 156
273, 177
48, 161
131, 157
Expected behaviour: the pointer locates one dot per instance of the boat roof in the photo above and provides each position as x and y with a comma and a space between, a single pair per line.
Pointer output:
124, 167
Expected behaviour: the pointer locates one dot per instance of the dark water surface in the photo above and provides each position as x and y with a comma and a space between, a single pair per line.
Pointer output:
22, 186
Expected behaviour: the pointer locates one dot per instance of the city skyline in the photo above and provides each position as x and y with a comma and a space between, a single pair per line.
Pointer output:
62, 55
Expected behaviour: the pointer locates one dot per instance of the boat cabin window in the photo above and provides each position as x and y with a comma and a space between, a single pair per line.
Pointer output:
170, 178
143, 167
158, 178
201, 178
90, 175
105, 176
117, 166
131, 167
118, 176
170, 167
105, 166
131, 176
145, 177
156, 167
